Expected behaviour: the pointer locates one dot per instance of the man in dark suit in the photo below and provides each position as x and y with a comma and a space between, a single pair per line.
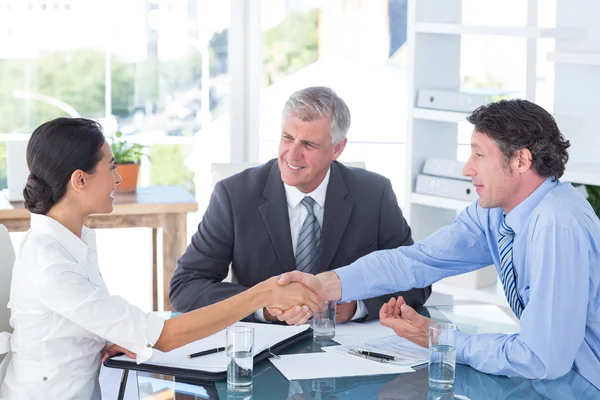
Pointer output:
303, 210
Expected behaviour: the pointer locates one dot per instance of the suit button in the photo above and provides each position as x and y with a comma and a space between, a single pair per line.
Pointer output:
45, 378
148, 345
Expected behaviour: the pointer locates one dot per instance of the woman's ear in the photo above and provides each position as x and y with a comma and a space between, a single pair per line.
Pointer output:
78, 180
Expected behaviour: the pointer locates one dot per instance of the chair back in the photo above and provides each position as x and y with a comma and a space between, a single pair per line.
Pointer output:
7, 259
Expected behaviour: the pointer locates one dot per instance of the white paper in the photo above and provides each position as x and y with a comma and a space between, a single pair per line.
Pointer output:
355, 333
408, 353
331, 365
265, 336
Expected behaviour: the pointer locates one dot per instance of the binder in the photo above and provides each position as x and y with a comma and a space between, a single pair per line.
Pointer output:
269, 340
445, 168
444, 187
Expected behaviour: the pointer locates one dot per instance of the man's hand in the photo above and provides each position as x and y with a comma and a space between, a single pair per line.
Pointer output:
297, 299
326, 286
405, 321
345, 311
115, 349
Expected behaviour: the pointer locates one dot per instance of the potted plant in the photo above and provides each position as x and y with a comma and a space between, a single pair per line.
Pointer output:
127, 161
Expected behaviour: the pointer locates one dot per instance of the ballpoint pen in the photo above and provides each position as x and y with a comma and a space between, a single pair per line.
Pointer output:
377, 355
368, 357
205, 352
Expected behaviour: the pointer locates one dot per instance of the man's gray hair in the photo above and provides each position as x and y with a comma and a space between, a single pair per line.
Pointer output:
318, 101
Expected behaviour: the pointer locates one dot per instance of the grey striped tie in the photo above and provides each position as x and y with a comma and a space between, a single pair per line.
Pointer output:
307, 249
508, 275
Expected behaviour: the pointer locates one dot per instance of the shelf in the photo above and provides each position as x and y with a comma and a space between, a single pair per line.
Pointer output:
575, 58
588, 174
440, 202
516, 31
493, 294
439, 115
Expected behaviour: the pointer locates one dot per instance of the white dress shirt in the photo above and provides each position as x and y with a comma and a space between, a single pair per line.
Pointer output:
298, 213
63, 317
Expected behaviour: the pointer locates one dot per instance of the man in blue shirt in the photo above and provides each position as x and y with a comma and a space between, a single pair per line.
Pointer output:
542, 236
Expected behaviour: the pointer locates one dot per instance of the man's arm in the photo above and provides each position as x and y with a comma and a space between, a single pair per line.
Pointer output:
393, 232
553, 322
198, 278
455, 249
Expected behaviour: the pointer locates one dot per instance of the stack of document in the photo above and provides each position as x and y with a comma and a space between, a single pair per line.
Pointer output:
406, 354
344, 360
331, 365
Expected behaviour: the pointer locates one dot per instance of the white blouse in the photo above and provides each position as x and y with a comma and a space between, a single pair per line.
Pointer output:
63, 316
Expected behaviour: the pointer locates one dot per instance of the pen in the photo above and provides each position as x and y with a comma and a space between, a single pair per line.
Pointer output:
205, 352
376, 355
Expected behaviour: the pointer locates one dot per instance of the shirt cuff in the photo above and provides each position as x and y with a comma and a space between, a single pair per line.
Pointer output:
154, 328
260, 315
361, 310
461, 347
352, 282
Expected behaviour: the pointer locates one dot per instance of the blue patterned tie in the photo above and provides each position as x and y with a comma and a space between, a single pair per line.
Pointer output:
307, 249
508, 276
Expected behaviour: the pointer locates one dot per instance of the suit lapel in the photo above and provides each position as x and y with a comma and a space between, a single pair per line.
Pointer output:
336, 216
275, 215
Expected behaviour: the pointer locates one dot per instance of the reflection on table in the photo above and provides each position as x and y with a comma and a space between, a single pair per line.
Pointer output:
269, 383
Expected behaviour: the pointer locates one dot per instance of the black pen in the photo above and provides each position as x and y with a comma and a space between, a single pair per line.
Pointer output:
377, 355
205, 352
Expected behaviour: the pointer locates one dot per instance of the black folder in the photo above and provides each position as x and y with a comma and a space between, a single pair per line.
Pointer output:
194, 375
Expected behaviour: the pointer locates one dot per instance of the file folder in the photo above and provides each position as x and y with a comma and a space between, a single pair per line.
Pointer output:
269, 339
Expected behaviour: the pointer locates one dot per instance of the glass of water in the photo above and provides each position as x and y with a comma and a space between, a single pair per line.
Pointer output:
323, 322
442, 356
240, 346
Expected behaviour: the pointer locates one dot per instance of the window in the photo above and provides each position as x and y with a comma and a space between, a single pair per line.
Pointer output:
348, 47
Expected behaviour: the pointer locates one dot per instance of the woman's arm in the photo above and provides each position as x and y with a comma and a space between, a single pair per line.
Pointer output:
206, 321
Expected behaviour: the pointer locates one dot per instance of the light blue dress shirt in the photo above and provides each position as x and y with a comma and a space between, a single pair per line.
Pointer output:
556, 254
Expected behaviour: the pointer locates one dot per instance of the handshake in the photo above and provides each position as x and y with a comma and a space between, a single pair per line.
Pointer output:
295, 296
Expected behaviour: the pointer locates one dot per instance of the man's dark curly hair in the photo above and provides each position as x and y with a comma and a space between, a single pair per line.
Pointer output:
518, 124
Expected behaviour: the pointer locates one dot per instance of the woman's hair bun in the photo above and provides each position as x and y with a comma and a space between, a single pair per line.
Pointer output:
37, 195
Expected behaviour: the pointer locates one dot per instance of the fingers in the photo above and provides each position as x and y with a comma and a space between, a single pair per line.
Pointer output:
290, 314
408, 313
304, 319
130, 354
105, 356
314, 302
300, 318
383, 313
274, 311
391, 304
397, 308
293, 276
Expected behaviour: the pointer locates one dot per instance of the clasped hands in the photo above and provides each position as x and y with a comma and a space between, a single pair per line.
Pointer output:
394, 314
314, 288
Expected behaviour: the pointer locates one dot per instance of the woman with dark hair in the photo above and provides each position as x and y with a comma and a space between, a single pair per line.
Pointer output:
64, 319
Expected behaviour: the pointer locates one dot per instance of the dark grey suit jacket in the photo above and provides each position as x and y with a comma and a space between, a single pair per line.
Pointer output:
247, 225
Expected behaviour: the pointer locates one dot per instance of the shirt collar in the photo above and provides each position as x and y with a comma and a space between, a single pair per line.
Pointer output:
518, 216
78, 248
295, 196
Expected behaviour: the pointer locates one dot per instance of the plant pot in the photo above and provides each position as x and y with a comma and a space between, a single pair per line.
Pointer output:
129, 175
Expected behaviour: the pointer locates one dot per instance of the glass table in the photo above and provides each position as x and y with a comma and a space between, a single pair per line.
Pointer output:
269, 383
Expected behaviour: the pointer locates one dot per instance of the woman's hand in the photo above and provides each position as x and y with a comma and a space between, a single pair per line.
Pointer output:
114, 350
